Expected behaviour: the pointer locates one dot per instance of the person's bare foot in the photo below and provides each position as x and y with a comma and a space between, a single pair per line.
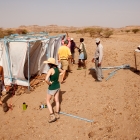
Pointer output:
63, 81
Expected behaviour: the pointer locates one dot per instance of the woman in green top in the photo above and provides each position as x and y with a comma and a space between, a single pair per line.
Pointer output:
53, 89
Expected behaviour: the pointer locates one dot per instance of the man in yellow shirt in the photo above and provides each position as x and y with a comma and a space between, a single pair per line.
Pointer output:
63, 55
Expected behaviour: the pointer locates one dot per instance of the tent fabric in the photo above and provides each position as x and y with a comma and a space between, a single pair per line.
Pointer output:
1, 52
17, 60
56, 47
14, 55
34, 56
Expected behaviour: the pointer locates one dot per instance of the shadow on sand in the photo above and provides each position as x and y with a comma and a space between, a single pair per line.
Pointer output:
134, 70
4, 102
93, 73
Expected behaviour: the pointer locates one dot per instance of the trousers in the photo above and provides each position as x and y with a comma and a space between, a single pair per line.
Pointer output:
98, 70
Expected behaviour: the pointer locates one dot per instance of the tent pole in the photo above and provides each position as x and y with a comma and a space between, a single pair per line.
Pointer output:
8, 59
135, 60
28, 66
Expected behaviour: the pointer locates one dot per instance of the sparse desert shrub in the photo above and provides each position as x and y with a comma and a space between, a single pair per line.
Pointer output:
56, 31
135, 30
98, 31
9, 32
87, 30
73, 31
92, 32
82, 32
107, 33
24, 31
50, 31
62, 31
21, 31
79, 32
127, 31
1, 33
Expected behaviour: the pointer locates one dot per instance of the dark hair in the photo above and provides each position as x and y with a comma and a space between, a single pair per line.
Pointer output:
66, 42
81, 39
51, 65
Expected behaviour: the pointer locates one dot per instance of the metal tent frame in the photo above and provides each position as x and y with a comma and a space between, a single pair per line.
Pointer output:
29, 38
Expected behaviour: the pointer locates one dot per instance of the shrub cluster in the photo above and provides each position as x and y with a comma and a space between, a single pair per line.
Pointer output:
135, 30
8, 32
96, 32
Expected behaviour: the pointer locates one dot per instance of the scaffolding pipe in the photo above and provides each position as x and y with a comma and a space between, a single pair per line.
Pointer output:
75, 117
8, 59
28, 65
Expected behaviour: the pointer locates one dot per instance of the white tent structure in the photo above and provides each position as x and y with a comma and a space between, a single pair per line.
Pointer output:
23, 56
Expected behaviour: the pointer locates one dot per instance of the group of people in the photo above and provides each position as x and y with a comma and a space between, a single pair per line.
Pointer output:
65, 57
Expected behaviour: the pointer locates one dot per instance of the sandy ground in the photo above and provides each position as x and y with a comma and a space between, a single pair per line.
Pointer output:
112, 105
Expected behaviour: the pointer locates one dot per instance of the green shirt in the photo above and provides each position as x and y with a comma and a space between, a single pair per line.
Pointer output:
54, 79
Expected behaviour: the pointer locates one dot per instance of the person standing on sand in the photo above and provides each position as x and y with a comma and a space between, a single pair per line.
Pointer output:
51, 79
1, 82
63, 55
97, 59
82, 55
72, 49
68, 45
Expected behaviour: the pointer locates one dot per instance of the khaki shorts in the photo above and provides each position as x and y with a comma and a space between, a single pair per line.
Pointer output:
64, 64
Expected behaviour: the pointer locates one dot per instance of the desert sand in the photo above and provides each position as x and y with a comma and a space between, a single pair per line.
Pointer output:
112, 105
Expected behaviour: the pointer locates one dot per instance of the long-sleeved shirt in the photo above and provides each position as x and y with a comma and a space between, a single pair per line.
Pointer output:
99, 53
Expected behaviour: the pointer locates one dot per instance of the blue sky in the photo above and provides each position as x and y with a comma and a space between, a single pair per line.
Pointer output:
77, 13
